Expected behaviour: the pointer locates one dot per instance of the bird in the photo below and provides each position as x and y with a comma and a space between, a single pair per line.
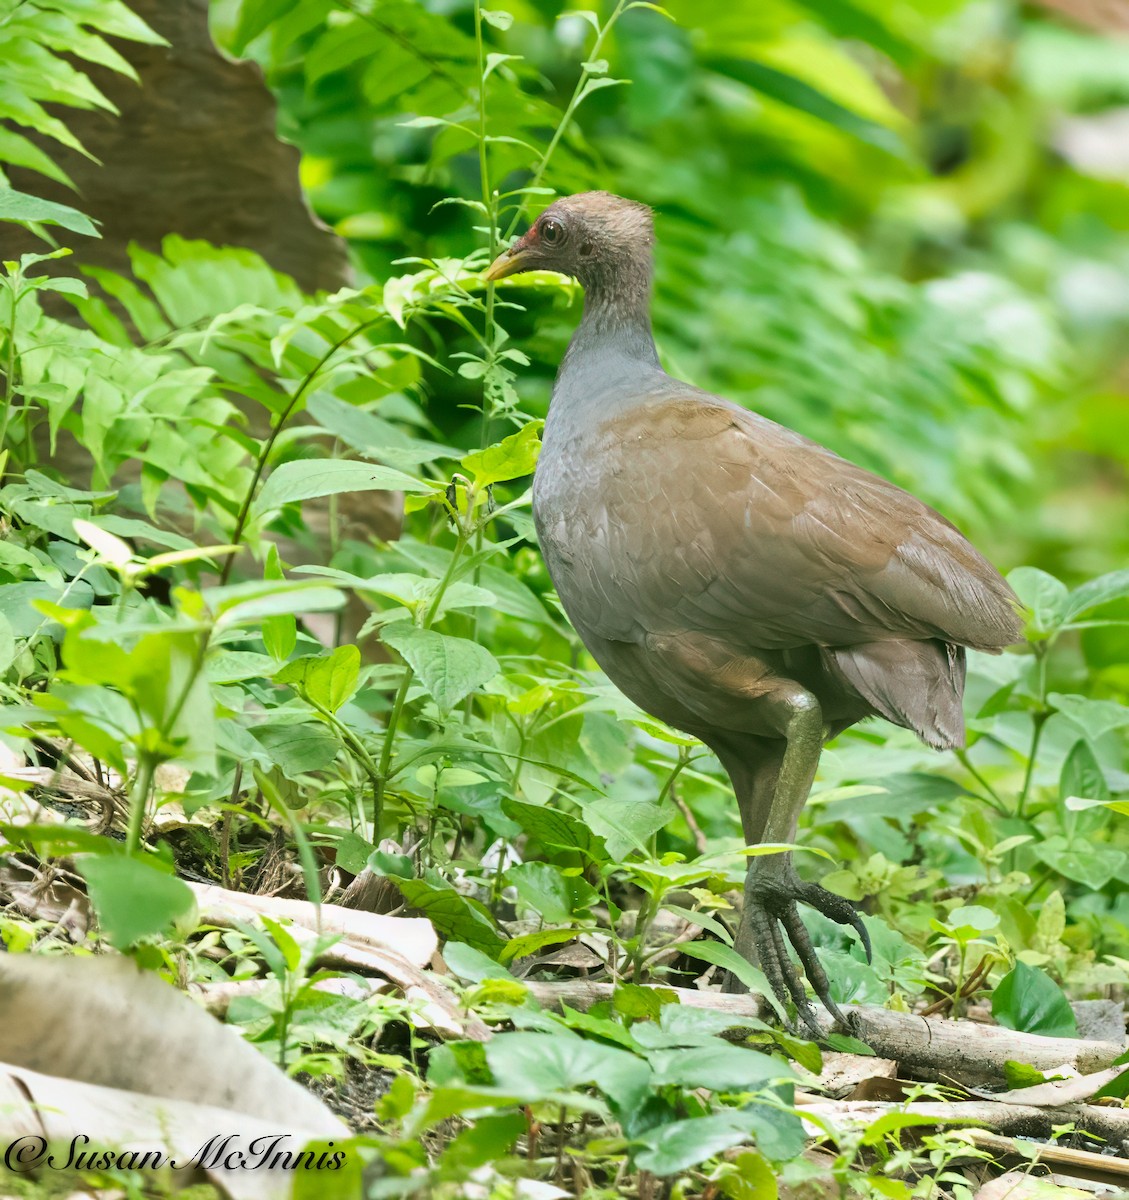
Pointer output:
735, 579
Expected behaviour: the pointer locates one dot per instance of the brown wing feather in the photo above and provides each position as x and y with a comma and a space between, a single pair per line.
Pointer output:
716, 519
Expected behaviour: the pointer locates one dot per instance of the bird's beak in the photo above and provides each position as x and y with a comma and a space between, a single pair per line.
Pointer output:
510, 262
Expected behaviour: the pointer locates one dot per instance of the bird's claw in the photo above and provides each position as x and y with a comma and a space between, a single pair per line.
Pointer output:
771, 913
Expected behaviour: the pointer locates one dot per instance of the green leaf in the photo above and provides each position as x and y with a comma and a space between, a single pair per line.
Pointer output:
498, 19
627, 825
297, 747
328, 680
1094, 592
450, 668
538, 1066
133, 899
1091, 863
484, 1142
1047, 597
748, 1177
1029, 1001
557, 829
679, 1145
1092, 717
719, 1067
309, 478
472, 965
532, 943
554, 896
19, 206
457, 917
728, 959
1082, 775
512, 458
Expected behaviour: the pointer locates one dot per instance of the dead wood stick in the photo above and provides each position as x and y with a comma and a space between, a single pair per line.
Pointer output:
1017, 1120
966, 1050
963, 1050
581, 994
1065, 1160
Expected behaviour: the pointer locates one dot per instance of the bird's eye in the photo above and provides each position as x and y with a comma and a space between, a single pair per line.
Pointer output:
551, 232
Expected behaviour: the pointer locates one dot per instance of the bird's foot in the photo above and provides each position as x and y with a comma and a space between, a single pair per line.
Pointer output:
770, 915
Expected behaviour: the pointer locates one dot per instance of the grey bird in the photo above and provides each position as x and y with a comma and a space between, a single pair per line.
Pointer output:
733, 578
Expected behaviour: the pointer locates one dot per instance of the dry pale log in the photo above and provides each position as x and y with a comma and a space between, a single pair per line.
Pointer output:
216, 998
35, 1107
360, 949
1019, 1185
581, 994
1058, 1092
104, 1021
1070, 1164
412, 938
1109, 1124
968, 1051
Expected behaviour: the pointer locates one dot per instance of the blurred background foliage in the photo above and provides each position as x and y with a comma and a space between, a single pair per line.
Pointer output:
900, 228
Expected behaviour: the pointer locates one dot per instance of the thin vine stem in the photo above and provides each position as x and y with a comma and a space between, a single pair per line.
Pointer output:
573, 104
275, 433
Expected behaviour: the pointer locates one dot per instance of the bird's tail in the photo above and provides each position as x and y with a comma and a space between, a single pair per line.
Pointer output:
918, 685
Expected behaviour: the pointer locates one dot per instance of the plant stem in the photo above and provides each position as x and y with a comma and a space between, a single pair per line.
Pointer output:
268, 444
573, 105
405, 683
139, 801
1039, 719
10, 369
992, 797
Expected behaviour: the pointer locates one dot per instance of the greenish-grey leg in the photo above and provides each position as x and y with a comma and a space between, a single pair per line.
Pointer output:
772, 887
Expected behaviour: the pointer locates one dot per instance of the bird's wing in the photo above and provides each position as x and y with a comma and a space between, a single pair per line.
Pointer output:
714, 518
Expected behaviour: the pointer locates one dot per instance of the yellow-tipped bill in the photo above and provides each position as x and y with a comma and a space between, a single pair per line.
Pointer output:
509, 262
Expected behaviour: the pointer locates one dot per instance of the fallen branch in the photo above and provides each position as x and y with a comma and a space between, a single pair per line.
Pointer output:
1018, 1120
581, 994
966, 1050
1064, 1160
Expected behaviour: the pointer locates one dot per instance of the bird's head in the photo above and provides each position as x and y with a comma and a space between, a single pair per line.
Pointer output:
591, 236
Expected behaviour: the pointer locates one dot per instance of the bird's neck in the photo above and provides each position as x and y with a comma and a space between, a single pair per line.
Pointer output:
617, 315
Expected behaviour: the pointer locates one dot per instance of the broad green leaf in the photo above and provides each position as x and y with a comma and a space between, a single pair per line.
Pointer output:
1029, 1001
554, 896
538, 1066
133, 899
1092, 717
1082, 775
729, 960
719, 1067
748, 1176
533, 943
557, 829
1094, 592
512, 458
1088, 862
297, 747
450, 668
796, 93
627, 825
1047, 597
308, 478
328, 680
19, 206
468, 963
456, 917
679, 1145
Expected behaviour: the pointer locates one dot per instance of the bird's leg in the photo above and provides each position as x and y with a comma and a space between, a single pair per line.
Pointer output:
772, 887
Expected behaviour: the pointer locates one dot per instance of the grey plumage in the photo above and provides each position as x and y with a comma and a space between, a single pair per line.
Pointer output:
732, 577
